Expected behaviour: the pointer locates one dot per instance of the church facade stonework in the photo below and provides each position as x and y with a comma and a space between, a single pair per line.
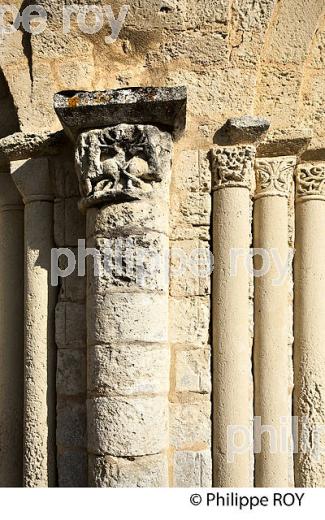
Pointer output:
162, 252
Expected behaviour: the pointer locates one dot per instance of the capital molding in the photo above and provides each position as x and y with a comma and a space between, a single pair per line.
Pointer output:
32, 178
121, 163
123, 140
232, 167
310, 181
274, 176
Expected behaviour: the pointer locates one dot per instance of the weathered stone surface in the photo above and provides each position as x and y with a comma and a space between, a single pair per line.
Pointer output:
189, 320
135, 263
122, 163
72, 469
127, 427
150, 471
193, 469
80, 110
190, 425
191, 265
127, 317
193, 371
20, 146
128, 219
233, 166
71, 372
69, 222
128, 369
71, 423
73, 287
70, 325
245, 129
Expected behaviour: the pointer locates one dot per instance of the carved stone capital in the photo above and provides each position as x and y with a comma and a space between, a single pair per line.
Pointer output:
232, 166
310, 182
274, 176
121, 163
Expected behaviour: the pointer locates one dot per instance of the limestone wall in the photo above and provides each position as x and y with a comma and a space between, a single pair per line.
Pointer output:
236, 57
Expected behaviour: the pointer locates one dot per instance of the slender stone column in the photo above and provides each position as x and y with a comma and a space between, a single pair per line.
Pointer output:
232, 170
124, 175
274, 178
309, 325
11, 332
33, 181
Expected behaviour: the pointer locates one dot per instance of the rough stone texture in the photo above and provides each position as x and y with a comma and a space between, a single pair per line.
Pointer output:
122, 163
70, 324
127, 370
193, 371
163, 106
146, 268
71, 424
20, 146
127, 427
149, 471
309, 326
72, 469
189, 320
190, 425
236, 58
193, 469
12, 333
68, 314
245, 129
111, 320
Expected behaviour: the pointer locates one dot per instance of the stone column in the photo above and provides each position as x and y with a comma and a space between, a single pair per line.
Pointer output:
309, 325
274, 178
124, 175
231, 379
33, 181
11, 331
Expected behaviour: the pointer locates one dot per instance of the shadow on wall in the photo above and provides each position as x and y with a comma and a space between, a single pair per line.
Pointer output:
9, 123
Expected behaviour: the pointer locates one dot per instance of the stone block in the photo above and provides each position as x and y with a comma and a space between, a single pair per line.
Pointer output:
139, 262
193, 371
190, 425
128, 369
189, 320
150, 471
127, 317
191, 266
72, 469
193, 469
127, 427
71, 423
71, 372
70, 325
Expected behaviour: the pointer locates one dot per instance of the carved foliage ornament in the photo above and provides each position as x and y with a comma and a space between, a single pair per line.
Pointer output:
121, 163
233, 166
274, 176
310, 181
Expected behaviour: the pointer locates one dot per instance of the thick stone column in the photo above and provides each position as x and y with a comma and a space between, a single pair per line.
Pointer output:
33, 181
124, 175
11, 331
309, 325
232, 171
274, 178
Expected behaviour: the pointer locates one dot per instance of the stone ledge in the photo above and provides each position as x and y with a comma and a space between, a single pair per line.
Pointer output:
80, 110
20, 146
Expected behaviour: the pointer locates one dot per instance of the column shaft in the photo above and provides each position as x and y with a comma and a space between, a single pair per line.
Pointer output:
230, 317
12, 333
127, 311
309, 325
32, 179
271, 321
